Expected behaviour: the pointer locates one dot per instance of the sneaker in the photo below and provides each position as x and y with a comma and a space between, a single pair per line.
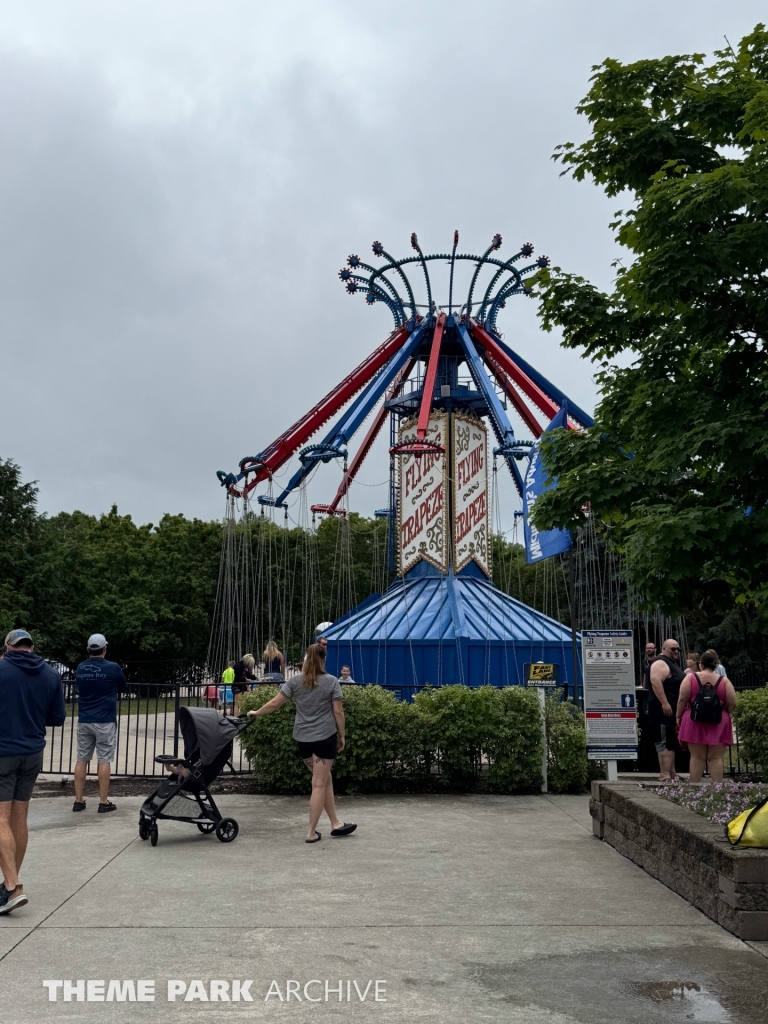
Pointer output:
105, 808
12, 900
78, 805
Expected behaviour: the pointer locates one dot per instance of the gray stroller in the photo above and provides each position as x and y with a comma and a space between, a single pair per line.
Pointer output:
208, 740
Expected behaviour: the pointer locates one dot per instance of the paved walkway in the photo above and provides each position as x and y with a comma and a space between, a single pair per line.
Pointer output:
470, 909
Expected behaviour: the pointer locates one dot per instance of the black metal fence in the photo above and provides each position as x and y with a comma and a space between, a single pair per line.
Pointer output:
147, 718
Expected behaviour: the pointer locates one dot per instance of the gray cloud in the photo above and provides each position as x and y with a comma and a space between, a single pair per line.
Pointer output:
180, 182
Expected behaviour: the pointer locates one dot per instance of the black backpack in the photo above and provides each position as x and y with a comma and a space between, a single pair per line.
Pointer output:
706, 706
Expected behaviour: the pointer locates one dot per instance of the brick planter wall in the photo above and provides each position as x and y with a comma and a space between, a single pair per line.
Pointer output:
686, 852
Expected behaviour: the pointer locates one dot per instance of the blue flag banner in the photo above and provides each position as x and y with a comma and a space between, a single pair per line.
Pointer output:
544, 544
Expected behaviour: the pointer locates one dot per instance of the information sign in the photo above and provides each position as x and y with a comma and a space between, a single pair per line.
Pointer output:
609, 694
540, 673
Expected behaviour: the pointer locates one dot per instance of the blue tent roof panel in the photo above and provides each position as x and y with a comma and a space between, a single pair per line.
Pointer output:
445, 608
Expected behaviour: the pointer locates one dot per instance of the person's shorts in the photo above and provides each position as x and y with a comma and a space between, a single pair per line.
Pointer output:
101, 736
665, 736
18, 775
324, 749
240, 687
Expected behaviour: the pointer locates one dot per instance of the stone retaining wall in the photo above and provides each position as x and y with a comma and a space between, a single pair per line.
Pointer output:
686, 852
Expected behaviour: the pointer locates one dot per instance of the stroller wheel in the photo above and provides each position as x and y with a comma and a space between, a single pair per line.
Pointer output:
226, 830
143, 828
206, 827
153, 834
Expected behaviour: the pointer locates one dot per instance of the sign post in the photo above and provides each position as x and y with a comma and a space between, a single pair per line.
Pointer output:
541, 675
609, 696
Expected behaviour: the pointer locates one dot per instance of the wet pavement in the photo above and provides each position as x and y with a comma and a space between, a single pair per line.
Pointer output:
463, 909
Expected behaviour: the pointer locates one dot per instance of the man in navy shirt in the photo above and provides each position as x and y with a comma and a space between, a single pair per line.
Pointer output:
98, 683
31, 698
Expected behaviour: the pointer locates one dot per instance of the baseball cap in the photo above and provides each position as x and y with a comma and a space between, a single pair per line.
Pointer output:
16, 636
96, 642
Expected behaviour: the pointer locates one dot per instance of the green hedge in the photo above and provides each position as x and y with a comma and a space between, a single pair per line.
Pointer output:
751, 720
452, 739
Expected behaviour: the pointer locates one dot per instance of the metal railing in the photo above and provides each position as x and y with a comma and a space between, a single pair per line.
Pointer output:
147, 718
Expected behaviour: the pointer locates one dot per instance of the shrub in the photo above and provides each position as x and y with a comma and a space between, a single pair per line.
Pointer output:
454, 738
270, 747
751, 719
372, 741
567, 765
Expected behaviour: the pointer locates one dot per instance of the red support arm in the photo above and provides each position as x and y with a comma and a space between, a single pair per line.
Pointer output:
278, 453
511, 368
429, 381
370, 437
522, 409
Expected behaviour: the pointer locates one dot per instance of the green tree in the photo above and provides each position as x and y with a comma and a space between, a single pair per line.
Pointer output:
150, 590
676, 466
18, 542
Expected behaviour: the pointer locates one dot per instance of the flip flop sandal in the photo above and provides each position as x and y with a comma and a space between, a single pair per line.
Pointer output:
345, 830
319, 837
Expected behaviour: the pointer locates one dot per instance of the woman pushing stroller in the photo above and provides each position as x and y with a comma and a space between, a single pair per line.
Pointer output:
319, 734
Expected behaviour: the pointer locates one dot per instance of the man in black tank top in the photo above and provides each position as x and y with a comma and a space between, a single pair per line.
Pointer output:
666, 677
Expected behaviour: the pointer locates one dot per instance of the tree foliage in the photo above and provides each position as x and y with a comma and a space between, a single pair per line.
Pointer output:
152, 589
677, 463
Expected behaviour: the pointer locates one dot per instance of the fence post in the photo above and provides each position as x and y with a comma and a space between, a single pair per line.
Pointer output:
176, 702
544, 752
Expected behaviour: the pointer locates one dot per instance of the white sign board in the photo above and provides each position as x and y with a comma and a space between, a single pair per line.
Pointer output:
609, 694
471, 528
423, 509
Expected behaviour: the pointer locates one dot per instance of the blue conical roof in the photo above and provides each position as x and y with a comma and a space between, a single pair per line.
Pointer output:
428, 606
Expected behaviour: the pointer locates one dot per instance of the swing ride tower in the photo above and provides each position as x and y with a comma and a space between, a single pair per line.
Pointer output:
444, 381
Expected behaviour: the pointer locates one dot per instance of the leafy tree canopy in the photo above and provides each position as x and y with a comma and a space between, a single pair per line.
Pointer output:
152, 589
677, 463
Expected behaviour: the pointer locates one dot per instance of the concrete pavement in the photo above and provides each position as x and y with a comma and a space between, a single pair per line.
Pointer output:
463, 908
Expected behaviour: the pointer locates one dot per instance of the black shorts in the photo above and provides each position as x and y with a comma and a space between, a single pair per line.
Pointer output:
665, 734
326, 750
18, 775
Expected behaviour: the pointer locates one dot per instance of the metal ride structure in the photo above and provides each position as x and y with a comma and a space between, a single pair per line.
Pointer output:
440, 379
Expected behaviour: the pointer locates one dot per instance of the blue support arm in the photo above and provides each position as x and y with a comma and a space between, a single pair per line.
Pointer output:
548, 388
345, 428
501, 425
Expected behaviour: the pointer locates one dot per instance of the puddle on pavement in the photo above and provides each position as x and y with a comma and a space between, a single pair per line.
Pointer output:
690, 998
676, 984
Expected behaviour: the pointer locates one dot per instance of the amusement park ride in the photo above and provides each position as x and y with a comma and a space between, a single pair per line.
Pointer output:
443, 373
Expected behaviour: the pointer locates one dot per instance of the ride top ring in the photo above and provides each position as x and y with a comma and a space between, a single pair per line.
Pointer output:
416, 446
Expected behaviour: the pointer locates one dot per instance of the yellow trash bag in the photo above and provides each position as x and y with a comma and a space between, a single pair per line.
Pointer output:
750, 828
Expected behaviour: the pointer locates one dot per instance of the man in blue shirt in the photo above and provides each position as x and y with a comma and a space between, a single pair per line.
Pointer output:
98, 683
31, 698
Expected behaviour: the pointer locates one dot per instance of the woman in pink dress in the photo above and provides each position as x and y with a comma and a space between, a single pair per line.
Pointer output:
706, 740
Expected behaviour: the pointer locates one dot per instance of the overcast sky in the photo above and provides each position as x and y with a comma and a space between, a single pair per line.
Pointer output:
181, 181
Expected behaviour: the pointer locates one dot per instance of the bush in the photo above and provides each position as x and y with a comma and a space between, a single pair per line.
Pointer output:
567, 765
751, 719
454, 738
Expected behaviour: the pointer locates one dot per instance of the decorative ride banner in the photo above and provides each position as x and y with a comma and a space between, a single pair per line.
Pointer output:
423, 507
550, 542
469, 470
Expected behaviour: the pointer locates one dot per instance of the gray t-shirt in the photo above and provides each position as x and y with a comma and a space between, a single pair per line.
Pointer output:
314, 708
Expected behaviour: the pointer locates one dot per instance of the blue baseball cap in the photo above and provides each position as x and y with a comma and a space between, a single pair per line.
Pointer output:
16, 636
